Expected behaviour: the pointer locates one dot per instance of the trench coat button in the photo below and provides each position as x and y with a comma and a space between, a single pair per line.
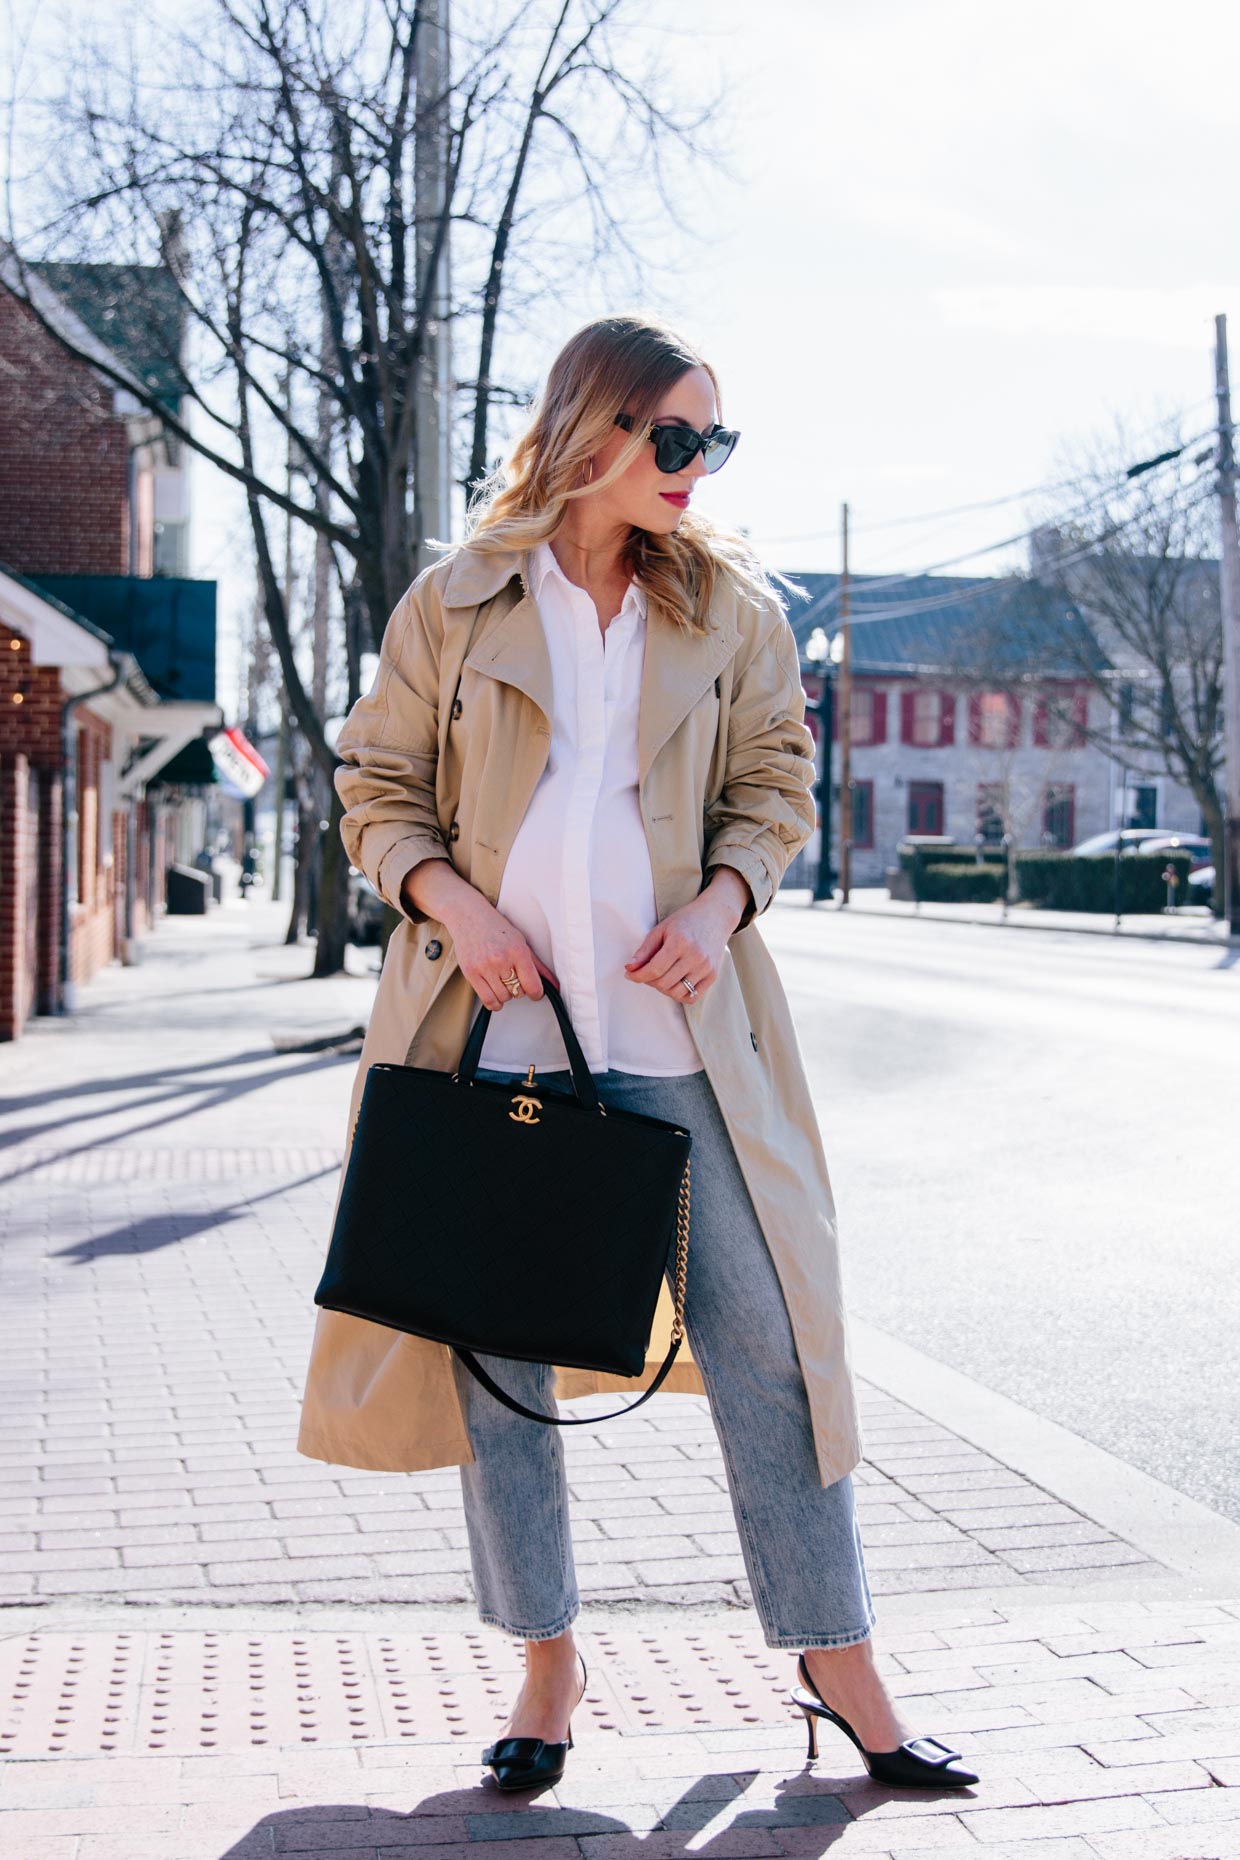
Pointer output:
456, 707
454, 831
434, 948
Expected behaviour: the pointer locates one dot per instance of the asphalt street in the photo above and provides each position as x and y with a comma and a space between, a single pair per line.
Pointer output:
1032, 1144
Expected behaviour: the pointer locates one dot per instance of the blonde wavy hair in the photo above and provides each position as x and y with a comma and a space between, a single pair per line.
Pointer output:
612, 365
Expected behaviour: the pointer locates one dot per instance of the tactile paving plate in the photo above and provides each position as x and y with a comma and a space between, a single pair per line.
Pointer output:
188, 1692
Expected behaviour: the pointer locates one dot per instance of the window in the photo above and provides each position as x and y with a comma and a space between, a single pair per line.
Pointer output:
862, 813
1059, 814
1144, 805
868, 715
925, 807
994, 719
927, 718
990, 811
1061, 715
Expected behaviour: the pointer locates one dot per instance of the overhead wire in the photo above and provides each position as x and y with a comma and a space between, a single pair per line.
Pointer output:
985, 585
992, 503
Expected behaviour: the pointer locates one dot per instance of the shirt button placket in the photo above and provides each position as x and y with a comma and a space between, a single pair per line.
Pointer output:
576, 867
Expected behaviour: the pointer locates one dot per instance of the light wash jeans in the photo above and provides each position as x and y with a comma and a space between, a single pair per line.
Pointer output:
799, 1538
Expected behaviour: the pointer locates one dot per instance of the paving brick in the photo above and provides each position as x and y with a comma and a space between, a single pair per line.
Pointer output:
1066, 1819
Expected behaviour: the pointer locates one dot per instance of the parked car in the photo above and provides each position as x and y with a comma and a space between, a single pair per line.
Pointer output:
365, 909
1195, 843
1131, 839
1201, 885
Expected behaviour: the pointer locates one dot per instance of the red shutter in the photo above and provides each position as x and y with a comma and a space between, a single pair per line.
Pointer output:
947, 718
975, 716
1041, 725
1013, 703
1080, 719
880, 717
906, 716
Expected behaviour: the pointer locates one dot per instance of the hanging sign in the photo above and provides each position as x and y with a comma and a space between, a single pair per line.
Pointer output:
240, 768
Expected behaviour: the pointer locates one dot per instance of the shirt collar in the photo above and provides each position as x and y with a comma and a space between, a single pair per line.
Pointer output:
543, 564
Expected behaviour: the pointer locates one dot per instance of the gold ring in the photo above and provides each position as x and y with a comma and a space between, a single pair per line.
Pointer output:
511, 983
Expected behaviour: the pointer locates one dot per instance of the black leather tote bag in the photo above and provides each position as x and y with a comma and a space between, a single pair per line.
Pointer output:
510, 1219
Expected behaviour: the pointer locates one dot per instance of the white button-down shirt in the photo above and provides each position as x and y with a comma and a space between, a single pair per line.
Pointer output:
577, 882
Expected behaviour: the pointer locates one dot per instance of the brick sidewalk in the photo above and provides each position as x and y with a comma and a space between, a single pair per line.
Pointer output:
168, 1185
167, 1180
1099, 1733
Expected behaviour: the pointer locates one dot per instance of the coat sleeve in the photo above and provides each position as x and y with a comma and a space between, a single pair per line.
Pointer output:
389, 749
766, 809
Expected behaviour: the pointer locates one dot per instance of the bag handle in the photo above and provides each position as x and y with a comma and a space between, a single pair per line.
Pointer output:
583, 1082
678, 1330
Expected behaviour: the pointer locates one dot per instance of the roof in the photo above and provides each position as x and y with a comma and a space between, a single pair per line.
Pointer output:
948, 623
135, 310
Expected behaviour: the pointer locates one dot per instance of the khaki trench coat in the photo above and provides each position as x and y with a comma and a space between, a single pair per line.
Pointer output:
433, 768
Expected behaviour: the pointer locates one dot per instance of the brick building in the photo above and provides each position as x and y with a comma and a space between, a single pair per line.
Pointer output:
106, 661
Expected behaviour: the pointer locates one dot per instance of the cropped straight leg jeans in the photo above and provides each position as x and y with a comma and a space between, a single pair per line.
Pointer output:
800, 1539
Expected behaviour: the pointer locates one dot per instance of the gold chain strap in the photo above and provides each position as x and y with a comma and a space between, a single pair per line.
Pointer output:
682, 1255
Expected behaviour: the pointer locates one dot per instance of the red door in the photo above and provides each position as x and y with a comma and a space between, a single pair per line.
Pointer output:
925, 807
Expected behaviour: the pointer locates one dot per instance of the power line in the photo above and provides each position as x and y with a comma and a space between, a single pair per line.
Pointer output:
1097, 496
992, 503
958, 597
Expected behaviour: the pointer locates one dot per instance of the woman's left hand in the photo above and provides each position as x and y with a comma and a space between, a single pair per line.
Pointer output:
689, 943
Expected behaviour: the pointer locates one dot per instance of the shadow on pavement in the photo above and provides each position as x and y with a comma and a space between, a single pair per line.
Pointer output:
147, 1236
462, 1820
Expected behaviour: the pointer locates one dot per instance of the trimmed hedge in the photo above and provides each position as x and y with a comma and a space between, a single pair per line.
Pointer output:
953, 874
1062, 881
1052, 880
941, 883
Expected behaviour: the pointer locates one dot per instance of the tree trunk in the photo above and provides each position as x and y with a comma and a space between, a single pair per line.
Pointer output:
307, 852
333, 913
1212, 820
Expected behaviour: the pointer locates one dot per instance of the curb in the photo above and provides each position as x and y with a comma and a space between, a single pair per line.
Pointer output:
1194, 1542
928, 913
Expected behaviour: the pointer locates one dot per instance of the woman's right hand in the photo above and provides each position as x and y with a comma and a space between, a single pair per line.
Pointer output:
487, 946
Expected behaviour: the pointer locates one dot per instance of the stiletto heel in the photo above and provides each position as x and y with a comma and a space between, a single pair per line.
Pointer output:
530, 1762
917, 1763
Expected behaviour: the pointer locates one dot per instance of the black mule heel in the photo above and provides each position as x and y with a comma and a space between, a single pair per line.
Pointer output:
530, 1762
917, 1763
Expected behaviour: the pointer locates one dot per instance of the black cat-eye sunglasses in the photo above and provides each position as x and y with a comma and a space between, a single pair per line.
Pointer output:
676, 446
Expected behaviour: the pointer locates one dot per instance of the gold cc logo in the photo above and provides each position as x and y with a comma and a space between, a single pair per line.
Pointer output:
526, 1107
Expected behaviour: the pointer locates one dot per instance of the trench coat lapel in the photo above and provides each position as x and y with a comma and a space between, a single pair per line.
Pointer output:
679, 665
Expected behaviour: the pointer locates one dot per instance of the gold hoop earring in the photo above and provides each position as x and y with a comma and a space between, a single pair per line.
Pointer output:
589, 479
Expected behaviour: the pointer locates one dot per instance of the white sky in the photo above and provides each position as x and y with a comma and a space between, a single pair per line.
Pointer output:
966, 235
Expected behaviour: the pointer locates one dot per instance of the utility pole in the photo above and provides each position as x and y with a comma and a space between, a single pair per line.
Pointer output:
432, 466
1229, 600
844, 712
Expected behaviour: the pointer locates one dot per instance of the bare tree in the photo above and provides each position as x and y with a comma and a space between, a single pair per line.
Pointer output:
264, 158
1136, 561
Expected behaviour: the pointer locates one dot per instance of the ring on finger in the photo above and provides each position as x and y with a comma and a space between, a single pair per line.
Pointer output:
689, 985
511, 983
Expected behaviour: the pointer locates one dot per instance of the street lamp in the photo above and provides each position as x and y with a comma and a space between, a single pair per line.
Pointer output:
821, 657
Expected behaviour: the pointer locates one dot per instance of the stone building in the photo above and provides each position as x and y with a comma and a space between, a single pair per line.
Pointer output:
964, 724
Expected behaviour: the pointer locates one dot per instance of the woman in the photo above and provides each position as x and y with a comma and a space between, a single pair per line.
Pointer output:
584, 757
